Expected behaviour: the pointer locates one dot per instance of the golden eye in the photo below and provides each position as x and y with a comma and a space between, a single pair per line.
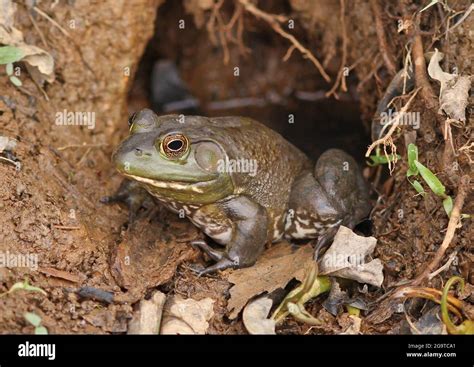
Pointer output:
174, 146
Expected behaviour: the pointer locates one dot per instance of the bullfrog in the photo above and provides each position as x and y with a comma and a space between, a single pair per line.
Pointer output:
240, 182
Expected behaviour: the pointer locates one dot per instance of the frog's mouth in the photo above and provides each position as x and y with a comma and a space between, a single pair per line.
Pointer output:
203, 192
172, 185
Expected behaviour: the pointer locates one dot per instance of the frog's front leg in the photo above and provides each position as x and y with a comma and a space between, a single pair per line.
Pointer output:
133, 196
238, 223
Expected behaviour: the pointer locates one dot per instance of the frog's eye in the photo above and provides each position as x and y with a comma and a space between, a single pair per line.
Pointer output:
174, 146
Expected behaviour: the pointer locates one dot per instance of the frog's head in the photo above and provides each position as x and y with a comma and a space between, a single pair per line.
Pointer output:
174, 160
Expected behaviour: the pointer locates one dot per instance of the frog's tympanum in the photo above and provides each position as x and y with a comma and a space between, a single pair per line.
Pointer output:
240, 182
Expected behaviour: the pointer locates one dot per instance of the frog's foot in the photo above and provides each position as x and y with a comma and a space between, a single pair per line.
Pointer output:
222, 261
222, 264
133, 196
214, 254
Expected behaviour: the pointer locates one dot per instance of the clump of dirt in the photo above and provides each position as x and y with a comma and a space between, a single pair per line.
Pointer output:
104, 56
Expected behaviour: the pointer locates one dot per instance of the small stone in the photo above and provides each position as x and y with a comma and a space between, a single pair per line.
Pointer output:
147, 319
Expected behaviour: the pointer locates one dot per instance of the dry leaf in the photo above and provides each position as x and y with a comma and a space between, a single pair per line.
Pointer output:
187, 316
7, 143
7, 13
275, 268
11, 36
255, 317
454, 91
336, 298
346, 258
138, 266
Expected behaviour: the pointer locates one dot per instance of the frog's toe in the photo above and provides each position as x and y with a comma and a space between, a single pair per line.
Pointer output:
133, 196
222, 264
119, 198
196, 268
214, 254
324, 240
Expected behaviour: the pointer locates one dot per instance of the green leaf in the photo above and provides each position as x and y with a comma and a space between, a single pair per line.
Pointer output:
382, 159
32, 318
418, 187
9, 68
430, 178
412, 157
9, 54
16, 81
41, 330
27, 287
448, 205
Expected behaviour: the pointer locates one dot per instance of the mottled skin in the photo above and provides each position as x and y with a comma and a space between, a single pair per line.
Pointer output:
241, 211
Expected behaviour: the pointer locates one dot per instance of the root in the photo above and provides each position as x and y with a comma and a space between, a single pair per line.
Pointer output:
379, 28
452, 226
341, 78
274, 21
386, 140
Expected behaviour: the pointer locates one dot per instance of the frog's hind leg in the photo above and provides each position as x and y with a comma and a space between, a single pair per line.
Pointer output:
341, 178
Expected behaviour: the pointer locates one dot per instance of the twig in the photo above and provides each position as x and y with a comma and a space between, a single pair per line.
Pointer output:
66, 33
7, 160
272, 20
445, 266
421, 78
341, 80
410, 323
289, 52
379, 28
463, 18
45, 43
42, 13
81, 146
237, 18
377, 64
67, 228
84, 156
452, 225
216, 15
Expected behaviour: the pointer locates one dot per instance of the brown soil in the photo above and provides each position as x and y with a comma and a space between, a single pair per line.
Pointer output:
50, 207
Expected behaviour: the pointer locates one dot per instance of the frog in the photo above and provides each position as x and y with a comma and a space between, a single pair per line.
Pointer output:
240, 182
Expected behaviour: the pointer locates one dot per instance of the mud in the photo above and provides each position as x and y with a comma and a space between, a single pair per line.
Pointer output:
50, 207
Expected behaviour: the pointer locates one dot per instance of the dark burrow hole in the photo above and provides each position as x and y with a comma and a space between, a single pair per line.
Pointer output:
286, 96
